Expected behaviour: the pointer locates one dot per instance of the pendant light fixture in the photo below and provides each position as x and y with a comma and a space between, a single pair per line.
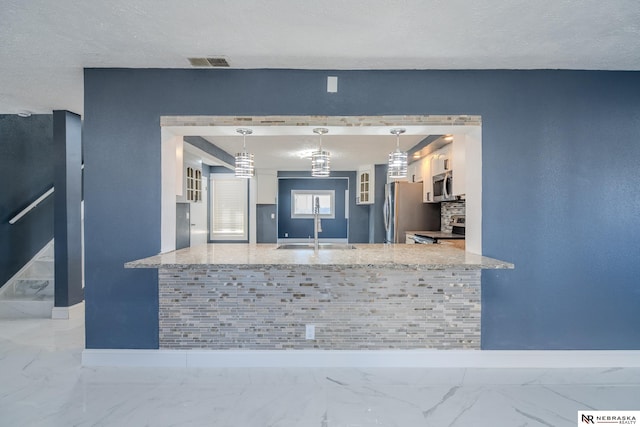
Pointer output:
320, 159
244, 160
397, 158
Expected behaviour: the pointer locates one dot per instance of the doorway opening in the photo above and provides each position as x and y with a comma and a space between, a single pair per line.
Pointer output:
355, 141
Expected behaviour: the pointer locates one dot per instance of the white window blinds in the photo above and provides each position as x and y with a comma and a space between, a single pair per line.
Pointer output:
229, 207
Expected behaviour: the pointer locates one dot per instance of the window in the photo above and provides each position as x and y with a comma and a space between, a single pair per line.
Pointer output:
229, 208
194, 185
303, 202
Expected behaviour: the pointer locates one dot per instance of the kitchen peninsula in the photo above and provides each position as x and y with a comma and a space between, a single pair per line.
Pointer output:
376, 296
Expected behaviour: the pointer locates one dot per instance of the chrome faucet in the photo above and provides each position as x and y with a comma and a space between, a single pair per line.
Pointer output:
317, 225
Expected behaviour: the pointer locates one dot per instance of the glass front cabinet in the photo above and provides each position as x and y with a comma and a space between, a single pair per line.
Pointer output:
194, 185
365, 185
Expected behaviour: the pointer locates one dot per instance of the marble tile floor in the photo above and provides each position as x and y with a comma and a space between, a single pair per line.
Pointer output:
43, 384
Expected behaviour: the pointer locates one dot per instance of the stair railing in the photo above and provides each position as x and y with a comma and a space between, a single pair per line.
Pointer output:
35, 203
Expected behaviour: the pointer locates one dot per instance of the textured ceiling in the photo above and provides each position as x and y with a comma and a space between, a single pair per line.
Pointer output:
45, 44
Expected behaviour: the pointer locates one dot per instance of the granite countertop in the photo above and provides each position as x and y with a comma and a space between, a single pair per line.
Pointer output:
383, 256
436, 234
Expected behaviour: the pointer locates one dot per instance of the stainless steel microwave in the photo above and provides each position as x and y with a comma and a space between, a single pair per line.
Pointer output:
443, 187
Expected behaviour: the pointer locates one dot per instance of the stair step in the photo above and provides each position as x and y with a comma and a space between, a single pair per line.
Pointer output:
29, 290
30, 294
49, 251
39, 269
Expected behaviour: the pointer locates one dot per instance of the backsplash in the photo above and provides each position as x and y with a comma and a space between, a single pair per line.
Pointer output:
447, 210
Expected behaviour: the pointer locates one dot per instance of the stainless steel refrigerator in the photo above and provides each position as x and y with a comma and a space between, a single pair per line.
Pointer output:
404, 211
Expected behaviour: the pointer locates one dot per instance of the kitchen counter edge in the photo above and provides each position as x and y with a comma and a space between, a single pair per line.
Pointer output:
369, 256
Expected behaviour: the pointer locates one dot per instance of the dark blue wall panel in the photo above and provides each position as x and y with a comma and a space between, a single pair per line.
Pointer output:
358, 214
377, 233
560, 187
67, 140
266, 226
26, 172
299, 228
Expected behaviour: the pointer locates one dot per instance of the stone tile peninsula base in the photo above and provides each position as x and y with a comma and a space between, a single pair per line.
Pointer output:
374, 297
269, 308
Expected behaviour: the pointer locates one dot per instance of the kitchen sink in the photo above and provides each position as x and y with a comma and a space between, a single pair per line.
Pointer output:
323, 246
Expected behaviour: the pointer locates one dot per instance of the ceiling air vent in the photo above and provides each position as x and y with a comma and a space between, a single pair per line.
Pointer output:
208, 62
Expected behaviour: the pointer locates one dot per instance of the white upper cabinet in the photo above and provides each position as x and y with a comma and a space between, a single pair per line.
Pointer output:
458, 164
365, 191
427, 183
267, 181
450, 158
193, 184
415, 172
411, 172
441, 160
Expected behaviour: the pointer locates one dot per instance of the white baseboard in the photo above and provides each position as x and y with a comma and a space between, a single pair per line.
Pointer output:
363, 359
66, 313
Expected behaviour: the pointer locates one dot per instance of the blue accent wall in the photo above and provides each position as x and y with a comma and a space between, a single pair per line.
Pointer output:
560, 187
302, 228
26, 172
358, 214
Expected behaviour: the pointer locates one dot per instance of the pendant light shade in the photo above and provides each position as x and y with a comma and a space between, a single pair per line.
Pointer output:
244, 161
397, 158
320, 159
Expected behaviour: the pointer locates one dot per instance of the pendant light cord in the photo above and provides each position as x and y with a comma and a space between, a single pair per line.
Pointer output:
320, 132
244, 132
397, 132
